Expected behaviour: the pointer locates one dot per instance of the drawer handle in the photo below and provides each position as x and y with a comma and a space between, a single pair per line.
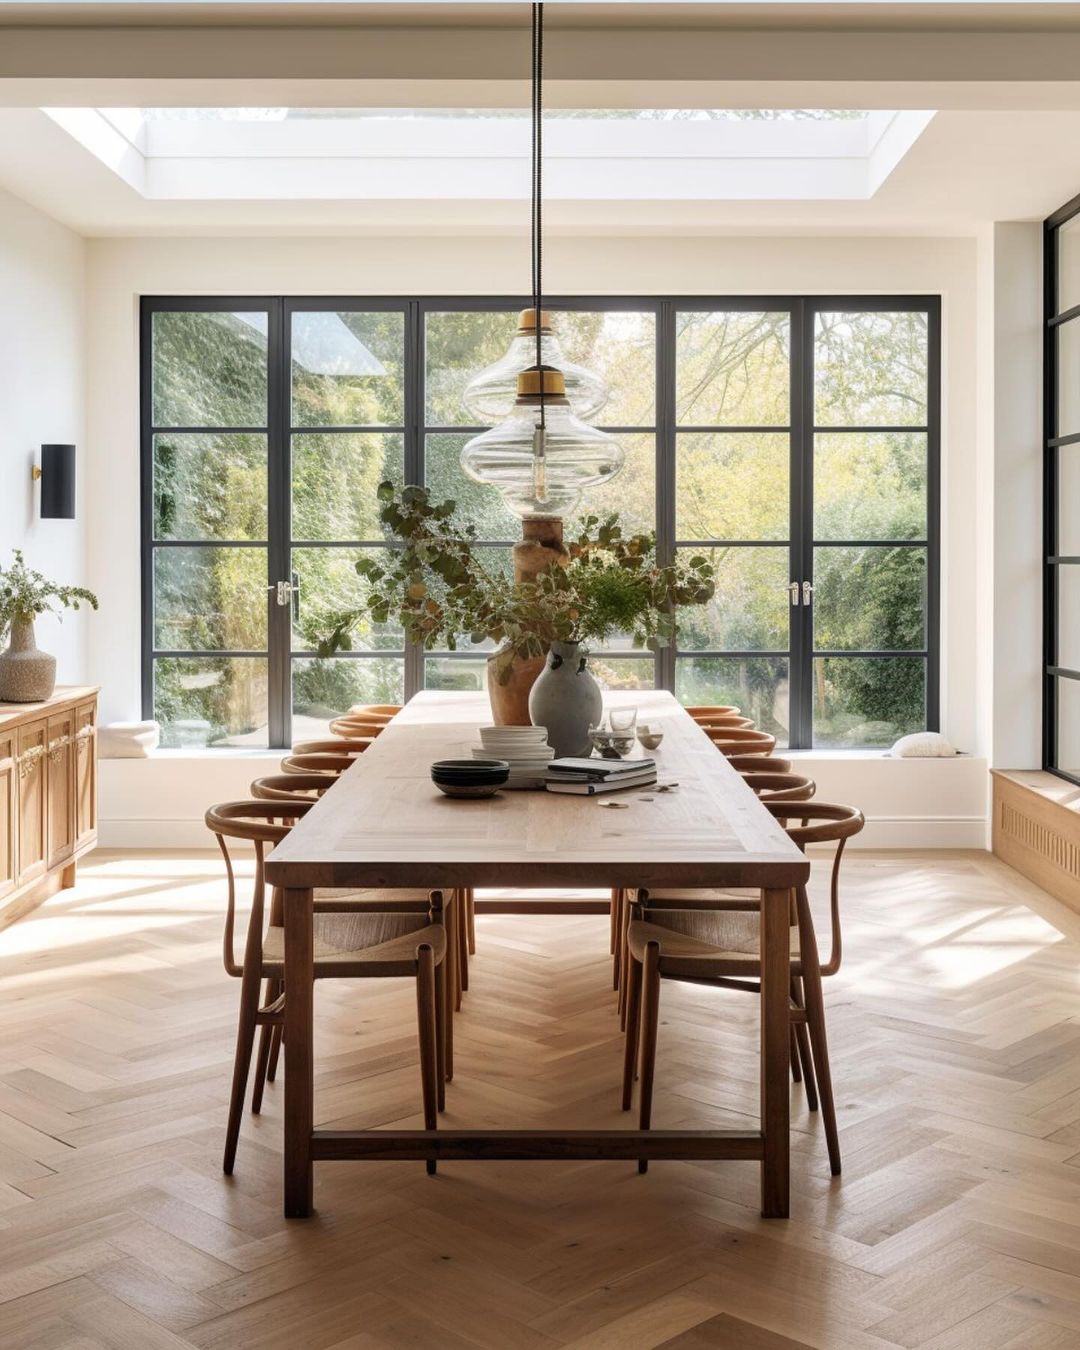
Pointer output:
28, 758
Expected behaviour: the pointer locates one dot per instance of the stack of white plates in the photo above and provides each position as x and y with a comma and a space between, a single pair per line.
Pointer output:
525, 749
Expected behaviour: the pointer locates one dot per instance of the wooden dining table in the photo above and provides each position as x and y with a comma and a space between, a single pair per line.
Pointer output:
385, 824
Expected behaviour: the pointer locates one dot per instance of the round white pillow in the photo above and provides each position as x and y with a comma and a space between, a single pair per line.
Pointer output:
923, 745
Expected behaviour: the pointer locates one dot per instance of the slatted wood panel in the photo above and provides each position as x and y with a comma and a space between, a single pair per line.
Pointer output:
956, 1226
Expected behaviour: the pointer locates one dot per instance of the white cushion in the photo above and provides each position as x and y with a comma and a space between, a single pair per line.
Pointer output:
923, 745
127, 740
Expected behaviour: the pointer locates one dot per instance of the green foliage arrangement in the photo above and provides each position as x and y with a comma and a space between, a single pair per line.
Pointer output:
24, 594
434, 580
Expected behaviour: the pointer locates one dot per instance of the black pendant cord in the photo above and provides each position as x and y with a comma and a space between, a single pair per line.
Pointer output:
537, 185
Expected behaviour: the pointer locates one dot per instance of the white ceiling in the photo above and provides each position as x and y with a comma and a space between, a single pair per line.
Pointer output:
1005, 77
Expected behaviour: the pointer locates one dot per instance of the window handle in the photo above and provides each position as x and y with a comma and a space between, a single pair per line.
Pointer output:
283, 591
792, 589
807, 592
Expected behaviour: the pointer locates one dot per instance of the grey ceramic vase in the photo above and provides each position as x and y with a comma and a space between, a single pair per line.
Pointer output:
26, 675
566, 699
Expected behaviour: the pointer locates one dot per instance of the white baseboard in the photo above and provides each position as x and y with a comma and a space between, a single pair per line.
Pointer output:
881, 832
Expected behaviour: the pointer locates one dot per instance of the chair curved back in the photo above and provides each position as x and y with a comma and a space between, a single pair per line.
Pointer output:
328, 764
385, 710
291, 787
780, 787
741, 741
258, 823
822, 823
759, 764
720, 723
703, 711
331, 746
358, 728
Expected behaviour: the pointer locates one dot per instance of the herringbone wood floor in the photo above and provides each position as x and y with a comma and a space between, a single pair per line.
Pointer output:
956, 1225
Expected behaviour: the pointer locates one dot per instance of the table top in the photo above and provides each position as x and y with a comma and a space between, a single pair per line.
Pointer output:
384, 823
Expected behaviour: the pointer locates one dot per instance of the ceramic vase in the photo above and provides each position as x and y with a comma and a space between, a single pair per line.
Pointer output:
566, 699
26, 675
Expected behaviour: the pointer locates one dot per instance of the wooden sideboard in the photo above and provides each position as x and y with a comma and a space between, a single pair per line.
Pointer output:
48, 795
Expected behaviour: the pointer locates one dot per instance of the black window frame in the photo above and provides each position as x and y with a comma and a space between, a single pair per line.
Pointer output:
1053, 561
801, 431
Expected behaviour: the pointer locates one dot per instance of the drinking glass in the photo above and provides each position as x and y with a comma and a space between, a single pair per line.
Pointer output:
623, 720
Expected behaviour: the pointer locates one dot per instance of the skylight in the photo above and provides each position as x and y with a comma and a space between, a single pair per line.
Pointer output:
483, 154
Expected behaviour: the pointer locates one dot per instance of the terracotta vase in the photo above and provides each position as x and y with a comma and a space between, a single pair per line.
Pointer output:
541, 547
510, 701
26, 674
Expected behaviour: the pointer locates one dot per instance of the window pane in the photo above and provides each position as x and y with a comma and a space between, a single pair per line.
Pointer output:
1068, 615
871, 369
756, 684
749, 611
457, 346
870, 485
1068, 726
733, 369
731, 486
450, 672
498, 562
868, 701
206, 598
1068, 260
324, 689
334, 482
328, 585
1068, 378
209, 486
348, 369
633, 496
869, 599
211, 700
620, 346
1068, 526
209, 370
623, 672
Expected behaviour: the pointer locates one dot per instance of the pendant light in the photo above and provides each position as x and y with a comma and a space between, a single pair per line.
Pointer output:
489, 396
542, 456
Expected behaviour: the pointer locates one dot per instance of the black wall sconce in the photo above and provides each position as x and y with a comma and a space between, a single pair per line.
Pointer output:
57, 474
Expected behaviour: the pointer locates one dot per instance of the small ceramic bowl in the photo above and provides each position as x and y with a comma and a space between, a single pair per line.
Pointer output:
650, 737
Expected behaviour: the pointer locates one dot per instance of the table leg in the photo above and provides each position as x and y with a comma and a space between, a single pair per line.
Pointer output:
775, 1052
299, 1052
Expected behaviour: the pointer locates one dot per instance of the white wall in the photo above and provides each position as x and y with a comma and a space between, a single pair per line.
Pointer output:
42, 350
120, 270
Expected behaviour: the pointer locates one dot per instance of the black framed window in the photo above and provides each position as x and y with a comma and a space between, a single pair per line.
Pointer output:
1061, 526
795, 441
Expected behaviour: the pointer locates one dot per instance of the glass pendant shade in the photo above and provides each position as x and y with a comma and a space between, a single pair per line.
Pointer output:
542, 471
490, 395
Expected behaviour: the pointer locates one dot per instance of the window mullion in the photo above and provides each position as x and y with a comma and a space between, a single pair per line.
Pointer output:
800, 665
279, 553
414, 455
665, 465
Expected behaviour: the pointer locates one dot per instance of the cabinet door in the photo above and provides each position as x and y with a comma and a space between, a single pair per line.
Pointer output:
33, 751
85, 773
60, 788
9, 862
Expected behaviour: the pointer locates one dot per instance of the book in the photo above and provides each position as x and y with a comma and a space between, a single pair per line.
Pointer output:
599, 768
587, 788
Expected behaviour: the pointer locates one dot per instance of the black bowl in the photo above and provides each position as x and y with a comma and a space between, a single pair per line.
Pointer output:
470, 767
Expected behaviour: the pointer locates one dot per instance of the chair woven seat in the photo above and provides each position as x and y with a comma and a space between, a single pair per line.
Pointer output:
706, 897
706, 943
383, 944
374, 897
